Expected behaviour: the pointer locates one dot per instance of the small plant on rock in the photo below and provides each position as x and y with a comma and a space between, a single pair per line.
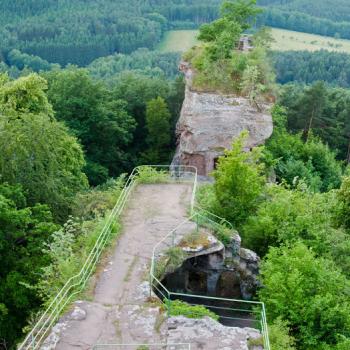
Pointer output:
169, 262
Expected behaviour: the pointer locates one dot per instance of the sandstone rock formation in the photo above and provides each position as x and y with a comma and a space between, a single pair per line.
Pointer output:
227, 272
210, 335
210, 121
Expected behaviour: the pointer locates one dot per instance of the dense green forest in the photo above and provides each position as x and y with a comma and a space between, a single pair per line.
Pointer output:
322, 111
308, 67
331, 18
151, 63
67, 134
79, 31
337, 10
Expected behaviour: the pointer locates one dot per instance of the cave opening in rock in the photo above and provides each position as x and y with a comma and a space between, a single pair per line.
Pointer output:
207, 276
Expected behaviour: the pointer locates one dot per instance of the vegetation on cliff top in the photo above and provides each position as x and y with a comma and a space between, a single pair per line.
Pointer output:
218, 63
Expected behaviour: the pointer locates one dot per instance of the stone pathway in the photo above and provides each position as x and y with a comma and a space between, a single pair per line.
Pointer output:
119, 311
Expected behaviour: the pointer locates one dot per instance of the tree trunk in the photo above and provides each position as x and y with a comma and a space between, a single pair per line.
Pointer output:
307, 131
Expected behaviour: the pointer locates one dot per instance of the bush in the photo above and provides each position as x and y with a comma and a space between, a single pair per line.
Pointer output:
180, 308
312, 162
195, 239
224, 235
70, 246
288, 216
148, 175
239, 182
279, 336
94, 203
309, 293
343, 196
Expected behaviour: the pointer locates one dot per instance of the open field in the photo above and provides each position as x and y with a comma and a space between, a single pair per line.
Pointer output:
178, 40
182, 40
289, 40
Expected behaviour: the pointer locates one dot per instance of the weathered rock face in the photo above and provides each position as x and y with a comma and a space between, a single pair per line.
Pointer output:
210, 121
210, 335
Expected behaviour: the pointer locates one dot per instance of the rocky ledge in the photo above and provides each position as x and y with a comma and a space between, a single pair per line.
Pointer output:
208, 334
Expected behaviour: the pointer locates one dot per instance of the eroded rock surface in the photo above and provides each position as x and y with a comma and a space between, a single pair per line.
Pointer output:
210, 121
208, 334
227, 272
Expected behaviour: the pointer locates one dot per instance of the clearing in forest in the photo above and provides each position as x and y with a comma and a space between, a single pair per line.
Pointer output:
183, 40
178, 40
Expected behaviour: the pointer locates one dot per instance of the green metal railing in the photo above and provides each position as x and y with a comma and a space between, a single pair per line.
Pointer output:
77, 283
145, 346
232, 312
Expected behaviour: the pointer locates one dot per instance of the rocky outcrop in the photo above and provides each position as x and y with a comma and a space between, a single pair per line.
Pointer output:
228, 272
210, 121
210, 335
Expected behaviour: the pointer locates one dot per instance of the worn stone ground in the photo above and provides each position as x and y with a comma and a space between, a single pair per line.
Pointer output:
207, 334
118, 312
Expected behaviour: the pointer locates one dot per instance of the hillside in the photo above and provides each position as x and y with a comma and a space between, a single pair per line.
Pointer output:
80, 31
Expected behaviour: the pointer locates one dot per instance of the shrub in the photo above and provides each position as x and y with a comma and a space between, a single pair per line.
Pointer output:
147, 175
224, 235
239, 182
195, 239
70, 246
343, 196
279, 336
94, 203
180, 308
309, 293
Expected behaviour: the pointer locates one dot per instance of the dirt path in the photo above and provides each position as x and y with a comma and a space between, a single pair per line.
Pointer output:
117, 313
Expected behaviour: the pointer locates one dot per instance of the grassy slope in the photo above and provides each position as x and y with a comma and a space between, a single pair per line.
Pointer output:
182, 40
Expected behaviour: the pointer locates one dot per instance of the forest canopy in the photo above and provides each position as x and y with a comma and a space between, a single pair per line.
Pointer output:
78, 31
86, 99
